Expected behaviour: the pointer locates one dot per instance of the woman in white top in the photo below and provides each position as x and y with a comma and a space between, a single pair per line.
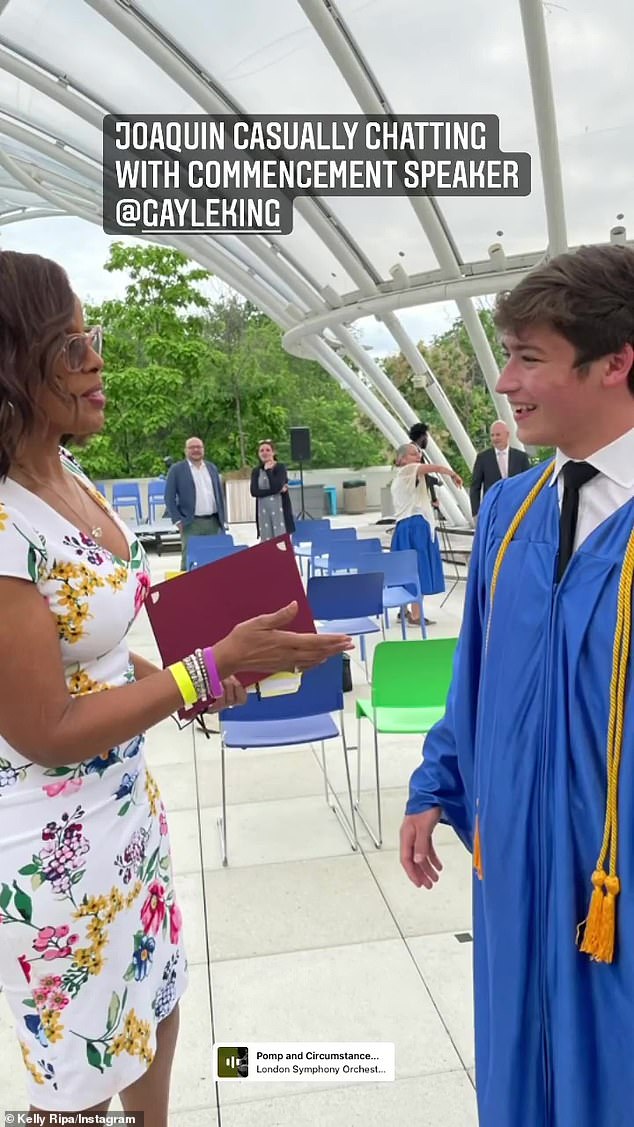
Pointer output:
92, 960
415, 525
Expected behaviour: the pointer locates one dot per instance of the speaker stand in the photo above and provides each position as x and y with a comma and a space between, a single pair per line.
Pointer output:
450, 557
303, 514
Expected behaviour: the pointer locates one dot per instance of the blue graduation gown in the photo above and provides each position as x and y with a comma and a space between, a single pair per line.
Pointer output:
524, 741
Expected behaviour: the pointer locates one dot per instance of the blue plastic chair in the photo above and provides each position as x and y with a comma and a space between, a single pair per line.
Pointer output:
126, 495
303, 528
202, 550
331, 495
371, 544
295, 718
348, 604
401, 583
155, 497
323, 542
346, 555
303, 534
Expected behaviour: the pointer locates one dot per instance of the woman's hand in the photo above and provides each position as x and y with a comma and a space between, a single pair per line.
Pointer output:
265, 643
457, 480
234, 694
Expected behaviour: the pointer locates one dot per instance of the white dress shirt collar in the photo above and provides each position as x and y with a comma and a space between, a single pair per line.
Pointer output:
615, 461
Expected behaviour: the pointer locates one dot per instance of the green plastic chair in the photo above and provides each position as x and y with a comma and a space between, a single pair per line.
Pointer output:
410, 682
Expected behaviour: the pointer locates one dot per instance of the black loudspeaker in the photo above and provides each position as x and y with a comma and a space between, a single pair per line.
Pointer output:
300, 444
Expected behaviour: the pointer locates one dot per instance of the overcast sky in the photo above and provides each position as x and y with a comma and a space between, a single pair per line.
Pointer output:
437, 57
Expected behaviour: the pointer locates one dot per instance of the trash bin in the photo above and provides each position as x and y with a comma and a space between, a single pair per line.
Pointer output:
354, 496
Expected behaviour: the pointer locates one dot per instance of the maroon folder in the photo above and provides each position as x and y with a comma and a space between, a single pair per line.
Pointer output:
202, 606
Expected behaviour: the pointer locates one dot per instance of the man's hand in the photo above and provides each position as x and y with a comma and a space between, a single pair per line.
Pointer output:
418, 856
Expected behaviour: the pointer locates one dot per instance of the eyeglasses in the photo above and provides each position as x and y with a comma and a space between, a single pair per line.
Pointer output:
76, 348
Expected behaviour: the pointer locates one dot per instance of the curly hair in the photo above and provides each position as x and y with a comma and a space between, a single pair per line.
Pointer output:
36, 306
587, 296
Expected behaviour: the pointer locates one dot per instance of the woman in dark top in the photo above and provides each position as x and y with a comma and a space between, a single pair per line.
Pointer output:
269, 485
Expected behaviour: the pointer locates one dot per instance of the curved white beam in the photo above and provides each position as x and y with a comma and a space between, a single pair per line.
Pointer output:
32, 185
330, 27
8, 217
131, 25
213, 100
432, 386
372, 101
432, 292
532, 12
58, 91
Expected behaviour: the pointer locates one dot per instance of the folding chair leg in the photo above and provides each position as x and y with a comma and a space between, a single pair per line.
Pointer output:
364, 656
348, 824
324, 772
422, 619
358, 760
404, 623
377, 837
222, 821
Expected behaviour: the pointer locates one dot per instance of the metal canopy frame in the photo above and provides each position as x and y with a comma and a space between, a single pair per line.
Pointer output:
61, 176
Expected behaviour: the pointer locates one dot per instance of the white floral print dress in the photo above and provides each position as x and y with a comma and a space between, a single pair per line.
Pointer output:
91, 958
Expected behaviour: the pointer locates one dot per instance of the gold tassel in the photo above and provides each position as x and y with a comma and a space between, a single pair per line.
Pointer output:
605, 946
477, 849
592, 932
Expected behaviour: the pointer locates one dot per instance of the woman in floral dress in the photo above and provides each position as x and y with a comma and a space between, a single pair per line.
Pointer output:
91, 956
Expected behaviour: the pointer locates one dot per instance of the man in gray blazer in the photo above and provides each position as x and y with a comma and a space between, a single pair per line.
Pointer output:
499, 461
193, 496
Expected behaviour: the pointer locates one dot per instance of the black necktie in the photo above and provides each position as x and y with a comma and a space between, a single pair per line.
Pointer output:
575, 475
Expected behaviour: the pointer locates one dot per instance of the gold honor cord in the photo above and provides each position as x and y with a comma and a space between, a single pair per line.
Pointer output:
510, 533
600, 925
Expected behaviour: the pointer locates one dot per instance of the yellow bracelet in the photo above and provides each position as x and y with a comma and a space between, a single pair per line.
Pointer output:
184, 682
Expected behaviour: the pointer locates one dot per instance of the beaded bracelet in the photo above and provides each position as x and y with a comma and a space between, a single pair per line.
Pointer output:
198, 654
216, 684
195, 672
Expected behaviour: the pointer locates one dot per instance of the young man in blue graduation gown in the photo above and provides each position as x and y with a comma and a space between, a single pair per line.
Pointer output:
533, 764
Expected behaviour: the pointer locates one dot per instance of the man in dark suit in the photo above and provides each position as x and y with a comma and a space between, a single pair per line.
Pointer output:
499, 461
193, 496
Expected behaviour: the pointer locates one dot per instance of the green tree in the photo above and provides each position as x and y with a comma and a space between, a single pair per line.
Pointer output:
178, 364
156, 361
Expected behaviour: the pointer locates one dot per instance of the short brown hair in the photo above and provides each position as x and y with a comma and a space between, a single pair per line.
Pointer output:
36, 306
586, 295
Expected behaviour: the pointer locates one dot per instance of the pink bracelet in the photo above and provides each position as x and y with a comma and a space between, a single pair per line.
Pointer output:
217, 687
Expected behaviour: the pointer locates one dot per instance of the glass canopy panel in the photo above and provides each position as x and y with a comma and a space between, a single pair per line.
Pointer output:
35, 160
267, 57
449, 57
16, 196
594, 92
29, 105
71, 39
242, 252
307, 248
388, 231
